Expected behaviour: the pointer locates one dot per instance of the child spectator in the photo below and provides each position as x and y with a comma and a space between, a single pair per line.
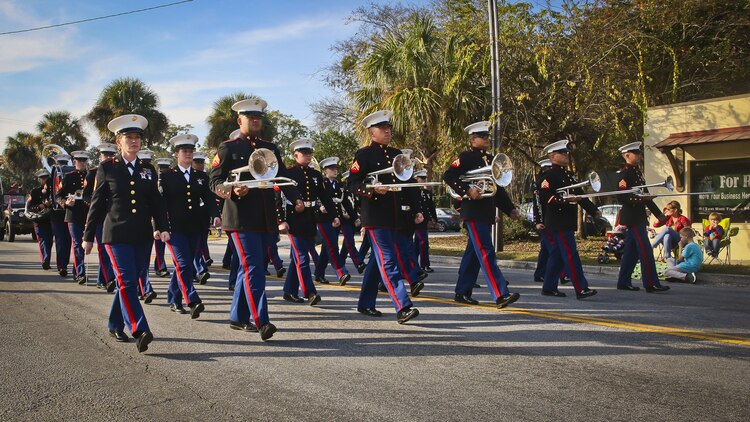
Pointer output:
674, 223
713, 234
685, 268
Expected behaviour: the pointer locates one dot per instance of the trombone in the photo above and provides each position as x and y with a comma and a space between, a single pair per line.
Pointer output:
403, 170
669, 184
593, 180
486, 179
263, 167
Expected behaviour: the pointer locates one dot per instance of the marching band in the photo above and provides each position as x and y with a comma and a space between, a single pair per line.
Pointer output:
128, 207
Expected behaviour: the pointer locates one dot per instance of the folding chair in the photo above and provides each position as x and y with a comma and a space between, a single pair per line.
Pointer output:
725, 245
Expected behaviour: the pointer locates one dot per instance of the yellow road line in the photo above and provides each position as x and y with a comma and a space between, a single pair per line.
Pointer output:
623, 325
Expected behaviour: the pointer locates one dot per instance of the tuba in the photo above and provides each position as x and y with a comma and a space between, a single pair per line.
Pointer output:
486, 179
263, 167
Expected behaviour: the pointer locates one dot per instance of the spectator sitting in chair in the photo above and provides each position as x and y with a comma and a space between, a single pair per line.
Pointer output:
713, 234
674, 223
685, 268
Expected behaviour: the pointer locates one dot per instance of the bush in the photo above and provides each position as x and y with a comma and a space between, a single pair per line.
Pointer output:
517, 229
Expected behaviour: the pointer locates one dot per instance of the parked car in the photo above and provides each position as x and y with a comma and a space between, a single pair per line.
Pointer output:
448, 219
610, 213
596, 226
14, 222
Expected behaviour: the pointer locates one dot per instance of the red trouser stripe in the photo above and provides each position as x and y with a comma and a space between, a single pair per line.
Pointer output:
178, 270
351, 249
301, 281
121, 288
73, 248
39, 243
401, 263
644, 257
386, 280
248, 292
331, 253
422, 247
487, 268
573, 274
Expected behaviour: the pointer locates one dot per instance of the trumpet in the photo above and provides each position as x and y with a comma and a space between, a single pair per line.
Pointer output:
263, 167
486, 179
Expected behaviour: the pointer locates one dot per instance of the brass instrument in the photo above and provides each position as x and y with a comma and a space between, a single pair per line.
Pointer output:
593, 180
263, 166
486, 179
314, 164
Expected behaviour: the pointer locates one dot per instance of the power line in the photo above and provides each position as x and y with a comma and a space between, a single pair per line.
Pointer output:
95, 19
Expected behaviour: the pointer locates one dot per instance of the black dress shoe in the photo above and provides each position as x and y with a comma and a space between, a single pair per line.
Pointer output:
267, 331
361, 267
628, 287
45, 266
321, 280
111, 286
416, 288
583, 294
293, 298
140, 297
507, 300
555, 293
477, 285
119, 335
657, 289
280, 272
428, 269
163, 273
196, 309
209, 262
421, 276
63, 273
564, 279
243, 327
144, 340
370, 312
314, 299
101, 286
465, 299
178, 309
81, 280
407, 314
539, 279
203, 277
344, 279
148, 297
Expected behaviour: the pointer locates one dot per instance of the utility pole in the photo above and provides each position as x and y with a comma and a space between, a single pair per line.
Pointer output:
497, 233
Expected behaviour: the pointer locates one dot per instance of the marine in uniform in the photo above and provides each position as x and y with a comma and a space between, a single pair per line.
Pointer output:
301, 225
349, 223
203, 259
633, 215
329, 231
160, 262
478, 214
404, 237
57, 216
380, 214
106, 275
248, 216
146, 291
39, 202
560, 221
421, 236
70, 197
126, 199
189, 200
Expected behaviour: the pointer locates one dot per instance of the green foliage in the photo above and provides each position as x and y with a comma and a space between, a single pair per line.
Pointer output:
332, 143
516, 229
129, 96
60, 128
20, 160
285, 129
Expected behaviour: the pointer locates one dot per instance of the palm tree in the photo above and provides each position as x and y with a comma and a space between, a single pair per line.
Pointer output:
126, 96
223, 120
432, 84
59, 127
21, 159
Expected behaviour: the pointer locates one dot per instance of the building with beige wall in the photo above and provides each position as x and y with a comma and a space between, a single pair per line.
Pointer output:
704, 145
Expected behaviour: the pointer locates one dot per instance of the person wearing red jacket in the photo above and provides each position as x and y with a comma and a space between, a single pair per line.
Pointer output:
675, 222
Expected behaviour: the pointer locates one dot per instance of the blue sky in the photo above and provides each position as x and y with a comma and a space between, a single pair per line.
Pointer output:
190, 54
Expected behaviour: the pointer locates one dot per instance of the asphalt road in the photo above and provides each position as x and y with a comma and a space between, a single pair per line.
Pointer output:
683, 355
